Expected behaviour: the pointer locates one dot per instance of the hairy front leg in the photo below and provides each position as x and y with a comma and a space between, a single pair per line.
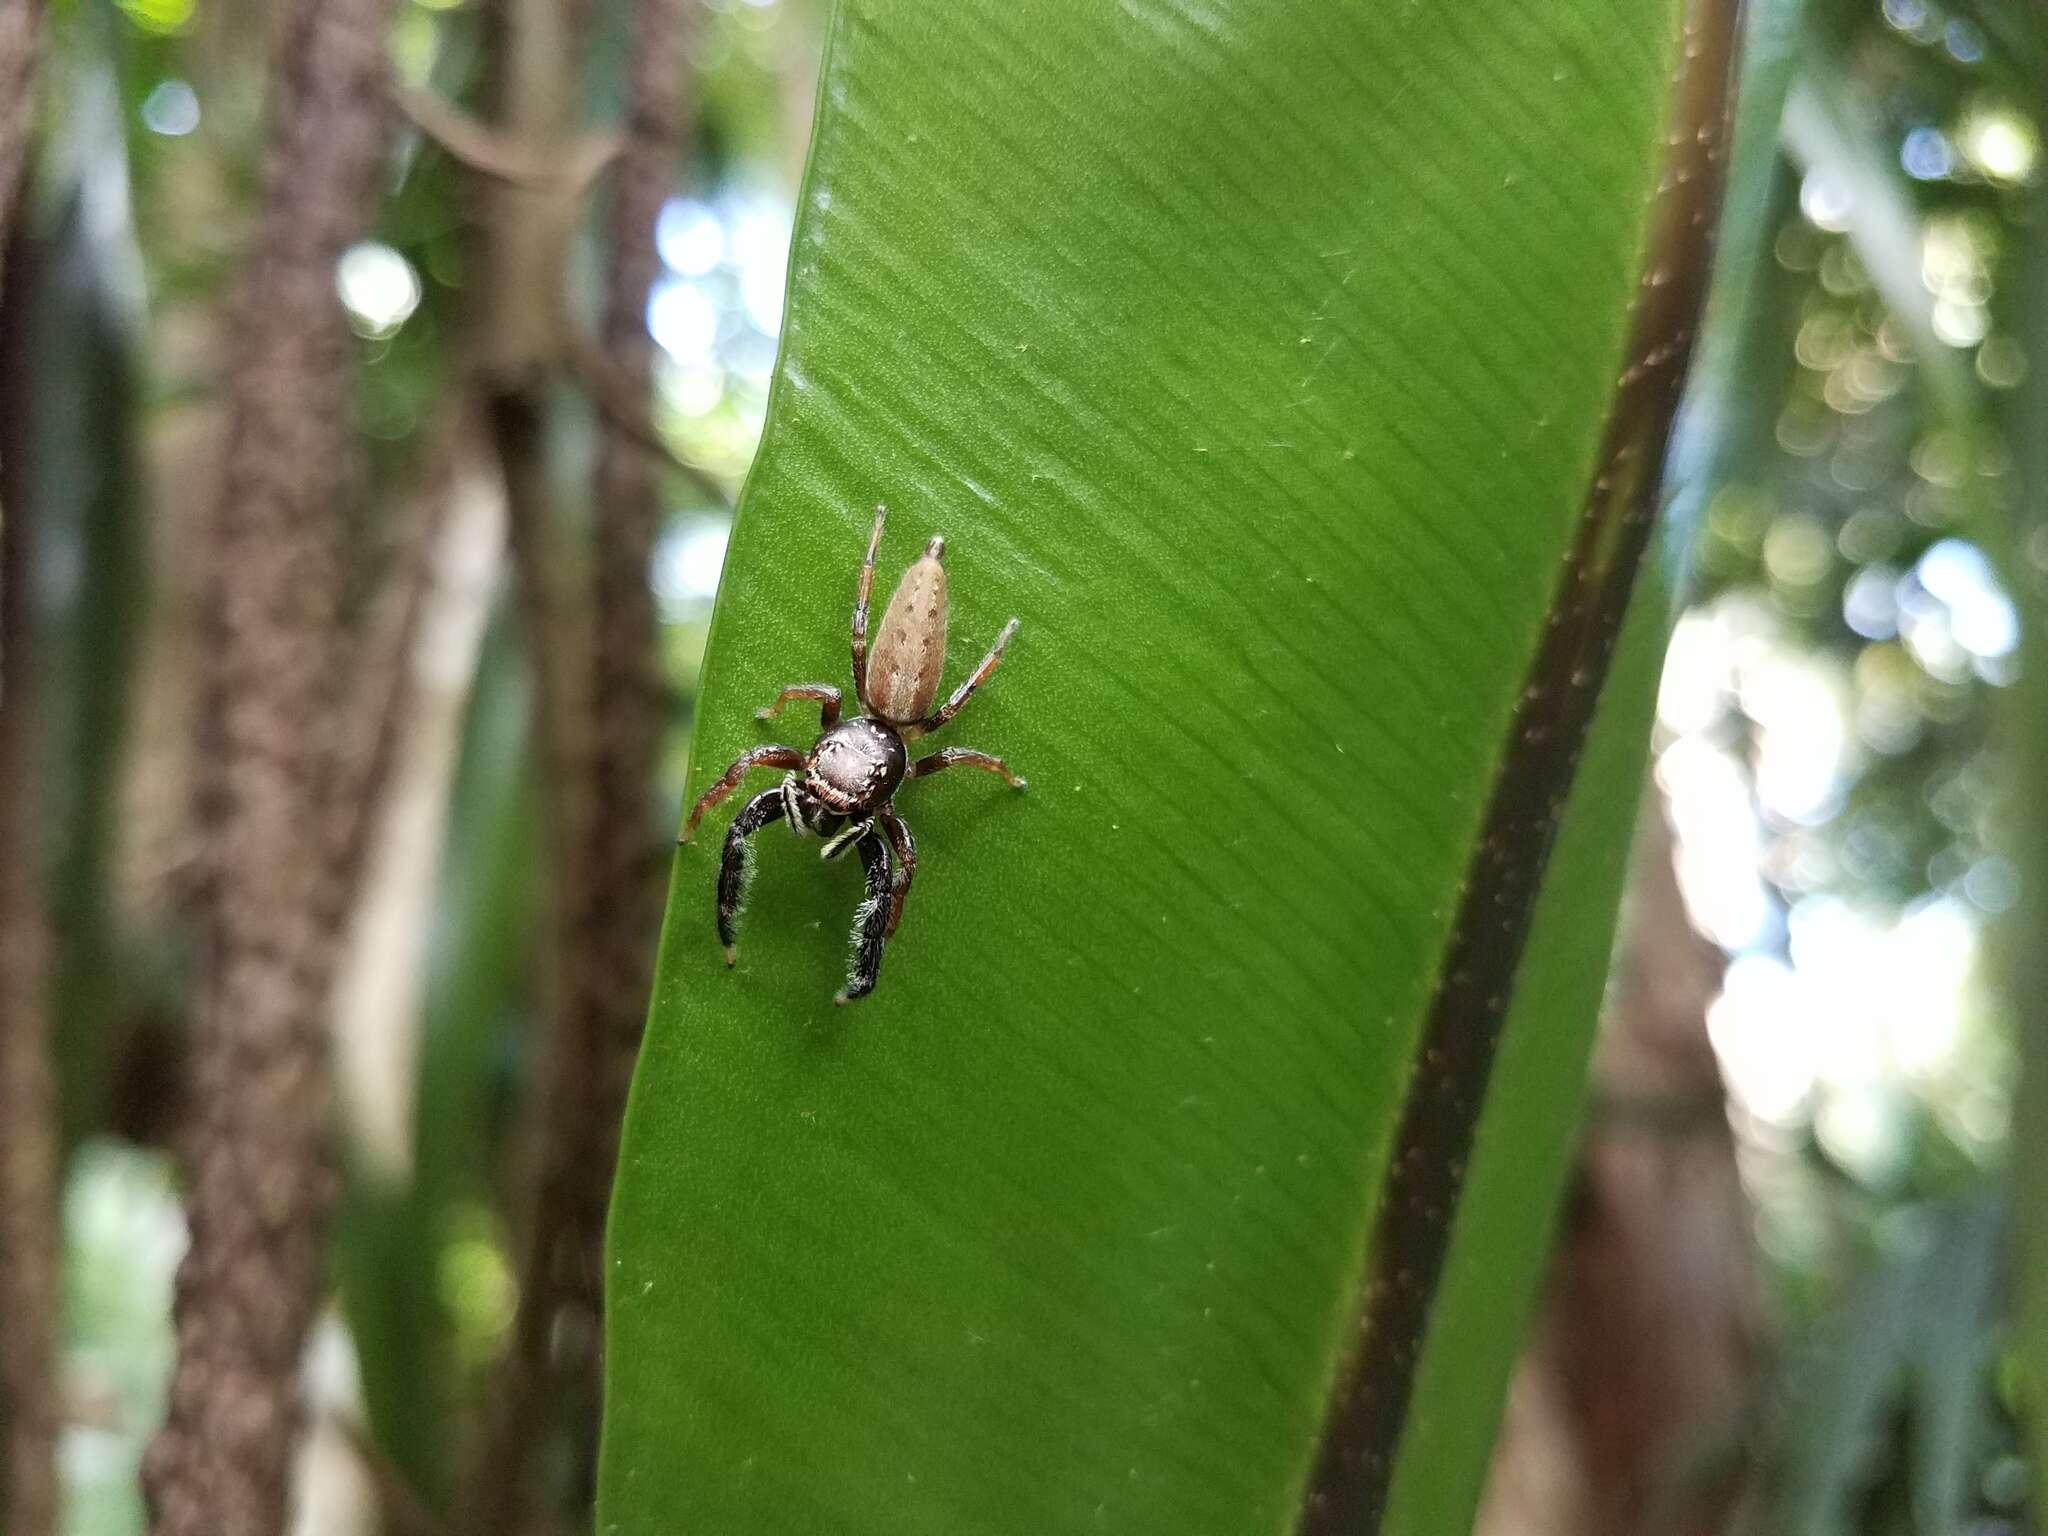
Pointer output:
870, 923
736, 869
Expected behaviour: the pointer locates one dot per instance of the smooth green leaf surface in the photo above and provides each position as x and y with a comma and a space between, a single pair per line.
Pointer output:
1257, 358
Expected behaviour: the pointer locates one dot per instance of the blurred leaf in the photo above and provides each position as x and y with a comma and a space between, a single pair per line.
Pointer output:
2019, 43
1961, 1305
392, 1240
1738, 379
2025, 719
1831, 136
1258, 358
85, 336
1845, 1393
1906, 1358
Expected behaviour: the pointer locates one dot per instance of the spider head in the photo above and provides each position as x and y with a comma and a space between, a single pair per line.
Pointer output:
855, 767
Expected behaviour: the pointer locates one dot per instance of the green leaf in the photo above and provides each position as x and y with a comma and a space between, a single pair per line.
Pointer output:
1963, 1303
1262, 359
82, 325
1905, 1359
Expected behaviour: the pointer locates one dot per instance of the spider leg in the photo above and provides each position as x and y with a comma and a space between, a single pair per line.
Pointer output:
870, 923
771, 756
736, 869
947, 757
965, 691
826, 695
860, 611
904, 846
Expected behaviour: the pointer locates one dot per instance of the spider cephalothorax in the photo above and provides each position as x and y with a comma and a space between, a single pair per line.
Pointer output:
843, 789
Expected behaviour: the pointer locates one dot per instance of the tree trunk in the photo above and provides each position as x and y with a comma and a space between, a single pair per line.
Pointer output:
1649, 1326
626, 846
29, 1412
601, 703
261, 1181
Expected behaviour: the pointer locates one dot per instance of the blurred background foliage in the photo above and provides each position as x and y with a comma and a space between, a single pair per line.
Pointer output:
1834, 750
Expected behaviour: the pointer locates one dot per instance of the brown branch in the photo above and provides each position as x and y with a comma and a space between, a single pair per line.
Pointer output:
1651, 1320
28, 1110
261, 1181
523, 233
558, 650
533, 48
400, 1509
1655, 1318
603, 729
520, 322
620, 393
520, 319
20, 42
617, 387
558, 647
379, 701
627, 842
569, 170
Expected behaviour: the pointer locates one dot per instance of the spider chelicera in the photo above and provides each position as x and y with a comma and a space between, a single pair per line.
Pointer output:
844, 788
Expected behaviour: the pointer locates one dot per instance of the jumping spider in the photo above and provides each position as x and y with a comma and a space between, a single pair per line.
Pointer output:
844, 788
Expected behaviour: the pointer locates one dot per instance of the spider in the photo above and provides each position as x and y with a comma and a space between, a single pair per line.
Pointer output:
844, 788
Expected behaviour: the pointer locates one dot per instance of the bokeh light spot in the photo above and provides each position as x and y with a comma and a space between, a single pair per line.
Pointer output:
171, 109
378, 287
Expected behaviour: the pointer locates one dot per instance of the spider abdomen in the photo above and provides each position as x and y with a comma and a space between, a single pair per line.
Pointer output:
856, 766
909, 654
